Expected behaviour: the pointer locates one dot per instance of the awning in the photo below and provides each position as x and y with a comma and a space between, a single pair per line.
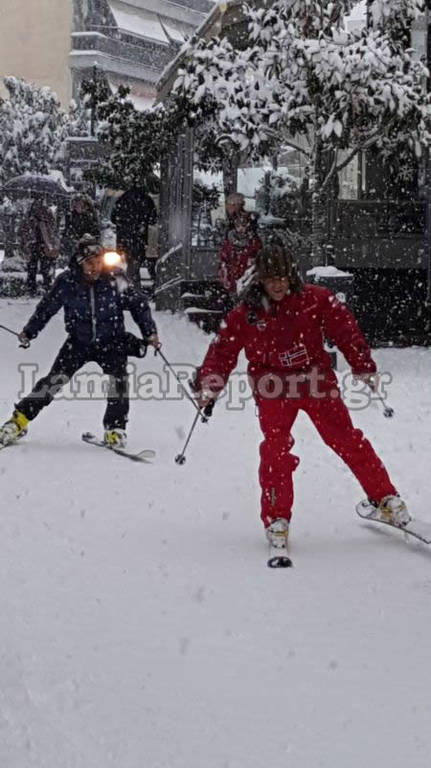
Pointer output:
138, 22
176, 30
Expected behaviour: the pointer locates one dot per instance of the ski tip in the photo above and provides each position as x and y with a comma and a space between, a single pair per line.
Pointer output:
280, 561
147, 453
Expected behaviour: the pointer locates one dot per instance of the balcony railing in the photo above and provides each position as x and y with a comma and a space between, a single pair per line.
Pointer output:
149, 55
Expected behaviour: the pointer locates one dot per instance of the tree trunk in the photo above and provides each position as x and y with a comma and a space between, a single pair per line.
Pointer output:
230, 174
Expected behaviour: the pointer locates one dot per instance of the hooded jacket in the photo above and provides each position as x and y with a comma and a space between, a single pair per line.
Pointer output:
93, 311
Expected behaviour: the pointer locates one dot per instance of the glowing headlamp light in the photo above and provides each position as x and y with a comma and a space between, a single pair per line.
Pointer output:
112, 259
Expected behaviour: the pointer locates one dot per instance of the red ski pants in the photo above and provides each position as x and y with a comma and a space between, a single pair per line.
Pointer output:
332, 420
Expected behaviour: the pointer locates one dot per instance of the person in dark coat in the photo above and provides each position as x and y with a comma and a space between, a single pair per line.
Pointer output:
39, 243
84, 220
94, 300
134, 212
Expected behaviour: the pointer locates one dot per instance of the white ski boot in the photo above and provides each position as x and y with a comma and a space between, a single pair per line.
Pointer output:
393, 510
115, 438
277, 532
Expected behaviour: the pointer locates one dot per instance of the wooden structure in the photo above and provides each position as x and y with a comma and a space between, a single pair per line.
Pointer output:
383, 241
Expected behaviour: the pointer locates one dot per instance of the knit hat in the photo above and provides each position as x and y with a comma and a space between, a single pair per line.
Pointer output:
88, 246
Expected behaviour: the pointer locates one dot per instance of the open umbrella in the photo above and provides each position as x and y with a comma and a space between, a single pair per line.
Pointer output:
34, 184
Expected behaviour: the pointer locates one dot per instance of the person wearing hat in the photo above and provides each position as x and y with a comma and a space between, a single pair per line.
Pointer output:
94, 299
281, 324
237, 253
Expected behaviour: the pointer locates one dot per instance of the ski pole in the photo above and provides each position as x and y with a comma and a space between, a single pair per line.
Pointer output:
205, 414
388, 412
187, 394
14, 333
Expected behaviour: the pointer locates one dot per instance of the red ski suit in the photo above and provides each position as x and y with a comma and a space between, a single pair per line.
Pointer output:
234, 261
289, 371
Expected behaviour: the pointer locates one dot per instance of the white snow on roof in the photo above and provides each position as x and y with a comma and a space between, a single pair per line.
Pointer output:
87, 33
137, 21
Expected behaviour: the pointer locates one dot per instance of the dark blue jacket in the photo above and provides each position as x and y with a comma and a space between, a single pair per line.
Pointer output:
93, 312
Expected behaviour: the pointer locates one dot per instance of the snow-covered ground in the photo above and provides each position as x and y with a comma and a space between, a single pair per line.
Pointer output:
140, 627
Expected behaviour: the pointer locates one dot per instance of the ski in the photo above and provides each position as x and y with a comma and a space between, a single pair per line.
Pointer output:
419, 529
142, 456
278, 558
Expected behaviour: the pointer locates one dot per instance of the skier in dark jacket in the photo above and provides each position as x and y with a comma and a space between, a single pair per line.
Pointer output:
94, 300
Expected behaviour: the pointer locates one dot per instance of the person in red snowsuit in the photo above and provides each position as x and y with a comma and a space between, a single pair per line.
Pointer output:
237, 251
281, 325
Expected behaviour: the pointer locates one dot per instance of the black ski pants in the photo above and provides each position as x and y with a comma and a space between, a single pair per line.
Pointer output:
37, 256
72, 356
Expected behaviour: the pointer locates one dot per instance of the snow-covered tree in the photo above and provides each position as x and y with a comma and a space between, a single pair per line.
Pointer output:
33, 128
135, 141
131, 141
301, 79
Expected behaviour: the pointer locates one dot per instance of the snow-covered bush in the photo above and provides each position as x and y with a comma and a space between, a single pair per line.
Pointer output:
33, 129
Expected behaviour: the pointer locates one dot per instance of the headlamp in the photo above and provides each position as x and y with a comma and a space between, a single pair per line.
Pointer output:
112, 259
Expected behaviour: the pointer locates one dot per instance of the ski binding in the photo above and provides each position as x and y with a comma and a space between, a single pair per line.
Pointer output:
419, 529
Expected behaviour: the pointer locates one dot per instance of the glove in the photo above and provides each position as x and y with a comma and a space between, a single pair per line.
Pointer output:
370, 379
24, 340
154, 341
208, 409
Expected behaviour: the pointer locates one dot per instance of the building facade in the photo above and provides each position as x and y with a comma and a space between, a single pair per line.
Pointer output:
58, 43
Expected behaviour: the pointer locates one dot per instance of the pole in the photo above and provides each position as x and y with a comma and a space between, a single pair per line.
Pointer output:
187, 394
428, 192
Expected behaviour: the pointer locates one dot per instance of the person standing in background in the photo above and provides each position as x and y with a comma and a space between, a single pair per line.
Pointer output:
134, 212
84, 220
39, 242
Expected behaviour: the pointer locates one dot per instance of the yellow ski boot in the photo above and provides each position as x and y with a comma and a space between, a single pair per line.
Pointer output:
14, 428
115, 438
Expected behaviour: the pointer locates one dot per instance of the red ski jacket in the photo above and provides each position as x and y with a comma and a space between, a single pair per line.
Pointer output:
234, 261
284, 343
